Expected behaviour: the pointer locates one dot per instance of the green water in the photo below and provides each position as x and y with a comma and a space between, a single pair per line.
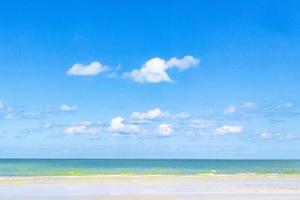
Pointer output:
75, 167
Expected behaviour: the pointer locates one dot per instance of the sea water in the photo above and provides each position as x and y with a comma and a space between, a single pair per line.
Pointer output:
81, 167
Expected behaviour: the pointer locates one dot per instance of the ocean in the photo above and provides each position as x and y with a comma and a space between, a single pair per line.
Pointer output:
84, 167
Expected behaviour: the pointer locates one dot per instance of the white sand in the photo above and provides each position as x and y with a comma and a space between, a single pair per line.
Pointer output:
204, 187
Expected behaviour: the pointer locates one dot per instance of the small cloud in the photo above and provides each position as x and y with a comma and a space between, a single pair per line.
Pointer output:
165, 130
117, 125
229, 110
68, 108
155, 69
225, 130
87, 70
84, 127
157, 113
149, 115
184, 63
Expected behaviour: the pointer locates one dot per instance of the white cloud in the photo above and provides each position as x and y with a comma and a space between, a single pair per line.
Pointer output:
87, 70
165, 130
229, 110
68, 108
225, 130
149, 115
117, 125
84, 127
157, 113
184, 63
155, 69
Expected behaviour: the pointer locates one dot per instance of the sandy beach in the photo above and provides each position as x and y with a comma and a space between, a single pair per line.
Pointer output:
211, 187
172, 197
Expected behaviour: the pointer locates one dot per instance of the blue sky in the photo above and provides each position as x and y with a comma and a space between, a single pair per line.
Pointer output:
159, 79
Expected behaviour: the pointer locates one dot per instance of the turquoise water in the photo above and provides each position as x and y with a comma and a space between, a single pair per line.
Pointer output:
55, 167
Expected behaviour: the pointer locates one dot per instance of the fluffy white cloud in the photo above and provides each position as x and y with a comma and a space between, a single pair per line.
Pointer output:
87, 70
149, 115
155, 69
165, 130
84, 127
229, 110
68, 108
117, 125
225, 130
